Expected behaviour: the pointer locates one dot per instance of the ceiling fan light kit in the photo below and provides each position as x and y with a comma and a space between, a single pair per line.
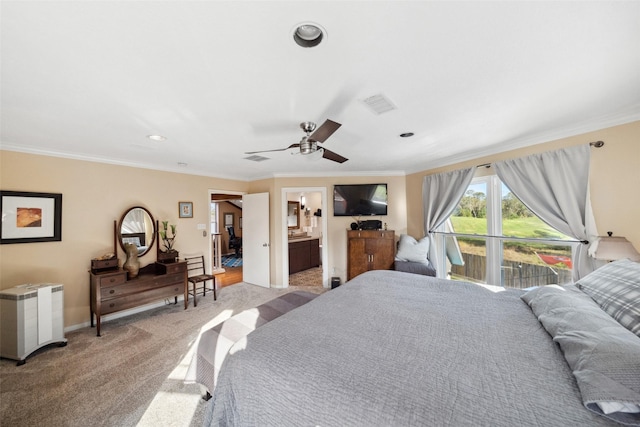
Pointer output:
309, 143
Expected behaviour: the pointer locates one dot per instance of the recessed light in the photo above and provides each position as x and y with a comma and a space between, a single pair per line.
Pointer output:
182, 164
308, 34
157, 137
406, 134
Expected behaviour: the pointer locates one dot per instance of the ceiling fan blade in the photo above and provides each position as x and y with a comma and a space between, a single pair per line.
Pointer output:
269, 151
325, 131
330, 155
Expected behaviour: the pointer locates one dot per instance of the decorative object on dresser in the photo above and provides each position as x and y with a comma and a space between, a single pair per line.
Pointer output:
168, 236
32, 317
131, 264
369, 250
105, 263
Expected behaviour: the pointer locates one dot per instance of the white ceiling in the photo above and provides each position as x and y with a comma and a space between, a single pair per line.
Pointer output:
91, 79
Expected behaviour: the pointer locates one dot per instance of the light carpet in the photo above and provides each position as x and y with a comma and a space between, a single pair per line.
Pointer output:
132, 375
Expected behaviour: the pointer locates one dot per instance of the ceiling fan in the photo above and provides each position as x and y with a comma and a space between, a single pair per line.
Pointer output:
309, 143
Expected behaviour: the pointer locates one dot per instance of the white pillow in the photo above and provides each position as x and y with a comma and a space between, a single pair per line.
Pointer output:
409, 249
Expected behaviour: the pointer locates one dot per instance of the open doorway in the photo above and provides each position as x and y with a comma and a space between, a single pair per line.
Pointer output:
304, 231
226, 236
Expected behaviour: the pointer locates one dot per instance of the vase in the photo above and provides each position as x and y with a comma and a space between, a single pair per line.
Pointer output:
131, 264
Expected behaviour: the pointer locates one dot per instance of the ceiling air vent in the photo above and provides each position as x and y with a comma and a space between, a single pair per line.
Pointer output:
256, 158
379, 104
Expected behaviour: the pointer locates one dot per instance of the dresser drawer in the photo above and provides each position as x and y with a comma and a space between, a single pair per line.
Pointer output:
112, 279
140, 298
142, 284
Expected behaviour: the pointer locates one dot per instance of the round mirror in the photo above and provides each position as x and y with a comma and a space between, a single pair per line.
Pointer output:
137, 227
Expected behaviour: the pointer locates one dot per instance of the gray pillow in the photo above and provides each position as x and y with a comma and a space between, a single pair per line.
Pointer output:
616, 288
603, 356
409, 249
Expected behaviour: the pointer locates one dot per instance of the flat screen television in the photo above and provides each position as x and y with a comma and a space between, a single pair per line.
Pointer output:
359, 199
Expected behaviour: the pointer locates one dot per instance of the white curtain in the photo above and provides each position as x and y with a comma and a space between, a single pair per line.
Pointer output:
134, 222
441, 193
555, 186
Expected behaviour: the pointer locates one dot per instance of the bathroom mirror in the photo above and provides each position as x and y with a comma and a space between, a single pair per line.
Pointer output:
293, 215
138, 227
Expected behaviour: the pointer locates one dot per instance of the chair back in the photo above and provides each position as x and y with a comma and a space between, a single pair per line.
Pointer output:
232, 233
195, 265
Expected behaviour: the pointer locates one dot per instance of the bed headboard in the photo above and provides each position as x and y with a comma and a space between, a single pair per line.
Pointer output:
137, 239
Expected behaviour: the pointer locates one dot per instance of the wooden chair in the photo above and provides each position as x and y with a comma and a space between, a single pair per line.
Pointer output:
197, 276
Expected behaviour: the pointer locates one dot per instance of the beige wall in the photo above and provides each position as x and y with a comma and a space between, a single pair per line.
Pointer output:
614, 177
94, 196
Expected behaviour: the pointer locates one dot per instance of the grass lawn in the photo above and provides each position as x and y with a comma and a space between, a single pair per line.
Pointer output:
524, 252
531, 227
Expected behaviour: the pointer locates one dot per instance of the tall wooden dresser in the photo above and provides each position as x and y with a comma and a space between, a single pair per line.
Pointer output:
369, 250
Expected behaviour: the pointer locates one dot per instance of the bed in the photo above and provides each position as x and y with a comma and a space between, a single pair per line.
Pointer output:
393, 348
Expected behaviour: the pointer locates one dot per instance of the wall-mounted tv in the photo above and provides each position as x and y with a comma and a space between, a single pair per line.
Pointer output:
359, 199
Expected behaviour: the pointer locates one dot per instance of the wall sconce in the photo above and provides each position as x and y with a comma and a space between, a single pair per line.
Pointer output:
611, 248
303, 201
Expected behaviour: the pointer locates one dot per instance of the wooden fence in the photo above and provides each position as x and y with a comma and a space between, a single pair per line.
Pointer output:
514, 274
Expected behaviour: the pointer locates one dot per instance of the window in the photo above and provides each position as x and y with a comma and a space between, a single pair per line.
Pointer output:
214, 218
502, 242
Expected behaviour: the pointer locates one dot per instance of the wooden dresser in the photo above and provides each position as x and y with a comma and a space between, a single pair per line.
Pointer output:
112, 292
369, 250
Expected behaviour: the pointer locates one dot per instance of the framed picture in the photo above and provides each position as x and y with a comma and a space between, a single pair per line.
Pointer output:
30, 217
240, 223
185, 209
228, 220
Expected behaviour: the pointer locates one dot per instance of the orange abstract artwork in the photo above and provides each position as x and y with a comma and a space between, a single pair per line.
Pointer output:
29, 217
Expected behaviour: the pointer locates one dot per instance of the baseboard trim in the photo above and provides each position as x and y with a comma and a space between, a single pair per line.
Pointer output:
123, 313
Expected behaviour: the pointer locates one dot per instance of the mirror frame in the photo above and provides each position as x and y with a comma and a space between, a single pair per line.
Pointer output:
297, 209
153, 230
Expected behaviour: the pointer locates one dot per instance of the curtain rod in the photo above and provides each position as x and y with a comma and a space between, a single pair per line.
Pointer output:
489, 236
596, 144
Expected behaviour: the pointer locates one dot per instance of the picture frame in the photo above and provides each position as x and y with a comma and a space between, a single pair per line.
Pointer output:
185, 209
30, 217
228, 220
240, 223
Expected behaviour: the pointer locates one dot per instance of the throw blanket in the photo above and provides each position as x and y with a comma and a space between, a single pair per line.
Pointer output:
216, 342
391, 348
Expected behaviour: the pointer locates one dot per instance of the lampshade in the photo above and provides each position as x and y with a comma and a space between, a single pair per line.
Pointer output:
612, 248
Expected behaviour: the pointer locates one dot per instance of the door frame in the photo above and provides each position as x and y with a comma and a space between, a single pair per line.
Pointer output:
285, 232
210, 232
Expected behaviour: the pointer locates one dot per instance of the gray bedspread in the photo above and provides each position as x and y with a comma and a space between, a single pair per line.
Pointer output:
215, 343
397, 349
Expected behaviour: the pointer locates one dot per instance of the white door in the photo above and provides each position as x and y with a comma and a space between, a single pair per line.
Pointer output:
255, 239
